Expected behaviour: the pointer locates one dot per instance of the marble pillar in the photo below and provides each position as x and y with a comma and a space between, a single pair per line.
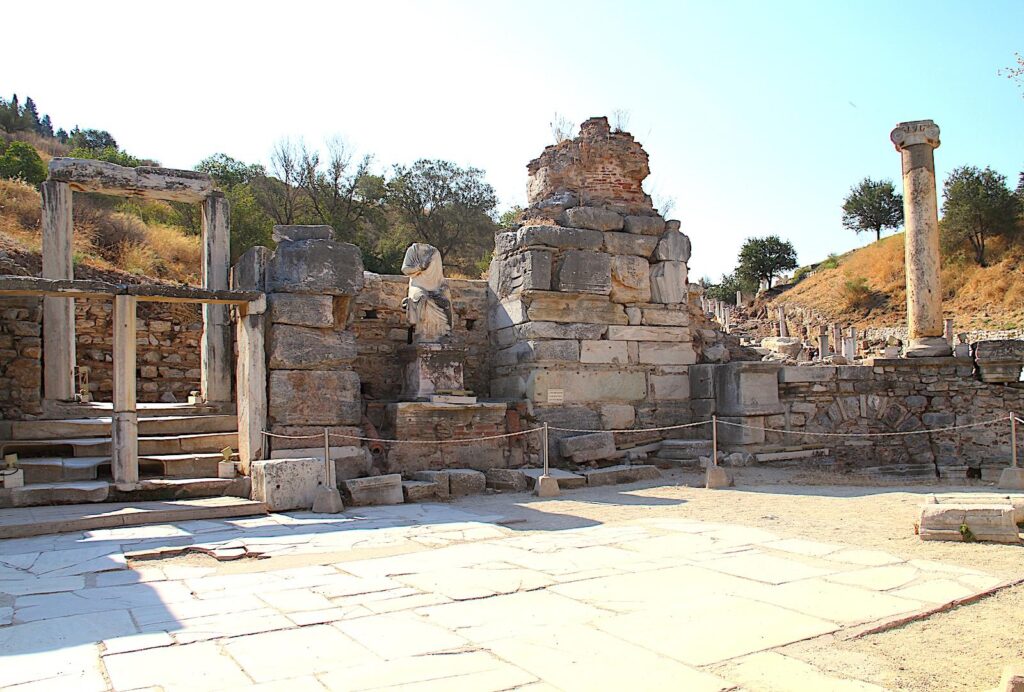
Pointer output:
58, 313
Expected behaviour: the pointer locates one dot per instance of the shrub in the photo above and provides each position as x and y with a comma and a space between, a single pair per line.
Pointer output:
20, 203
831, 263
114, 230
137, 258
856, 293
20, 161
801, 274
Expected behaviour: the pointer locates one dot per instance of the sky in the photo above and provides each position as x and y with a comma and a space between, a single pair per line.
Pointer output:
758, 116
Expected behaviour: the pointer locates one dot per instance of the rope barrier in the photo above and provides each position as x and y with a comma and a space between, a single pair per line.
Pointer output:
885, 434
633, 430
437, 442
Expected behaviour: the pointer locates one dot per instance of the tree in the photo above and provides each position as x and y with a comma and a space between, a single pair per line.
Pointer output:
762, 259
278, 194
977, 205
873, 205
447, 206
20, 160
227, 172
92, 139
30, 116
726, 288
341, 194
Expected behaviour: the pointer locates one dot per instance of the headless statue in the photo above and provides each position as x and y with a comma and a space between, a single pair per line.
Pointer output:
428, 305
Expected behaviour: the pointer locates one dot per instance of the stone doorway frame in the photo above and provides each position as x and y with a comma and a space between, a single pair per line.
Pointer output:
68, 175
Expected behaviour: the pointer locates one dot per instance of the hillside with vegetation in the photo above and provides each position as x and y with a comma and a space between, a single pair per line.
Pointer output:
432, 201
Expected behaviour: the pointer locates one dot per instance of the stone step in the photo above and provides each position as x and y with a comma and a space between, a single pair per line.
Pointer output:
787, 457
37, 521
100, 427
78, 492
566, 480
614, 475
60, 410
684, 449
57, 469
148, 445
919, 471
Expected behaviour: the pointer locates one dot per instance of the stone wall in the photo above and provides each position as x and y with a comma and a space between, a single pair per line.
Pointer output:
168, 352
380, 326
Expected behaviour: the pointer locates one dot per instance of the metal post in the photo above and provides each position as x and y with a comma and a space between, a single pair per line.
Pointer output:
1013, 439
544, 449
714, 440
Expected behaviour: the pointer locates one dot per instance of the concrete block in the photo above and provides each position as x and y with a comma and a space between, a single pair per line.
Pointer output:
589, 447
285, 484
374, 490
546, 486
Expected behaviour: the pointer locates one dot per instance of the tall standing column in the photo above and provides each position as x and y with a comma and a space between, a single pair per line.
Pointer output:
58, 313
216, 350
783, 328
916, 141
125, 428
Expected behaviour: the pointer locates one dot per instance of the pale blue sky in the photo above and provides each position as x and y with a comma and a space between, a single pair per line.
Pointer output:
758, 116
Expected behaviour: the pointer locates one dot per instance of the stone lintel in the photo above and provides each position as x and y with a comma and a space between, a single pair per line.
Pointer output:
150, 182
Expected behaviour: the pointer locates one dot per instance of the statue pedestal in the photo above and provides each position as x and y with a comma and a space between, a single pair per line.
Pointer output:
433, 371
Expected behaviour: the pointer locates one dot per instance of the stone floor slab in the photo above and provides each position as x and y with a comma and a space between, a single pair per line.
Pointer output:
294, 653
192, 668
476, 671
772, 672
400, 635
839, 603
766, 568
878, 578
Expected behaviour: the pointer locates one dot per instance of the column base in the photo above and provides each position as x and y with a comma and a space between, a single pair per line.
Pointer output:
928, 347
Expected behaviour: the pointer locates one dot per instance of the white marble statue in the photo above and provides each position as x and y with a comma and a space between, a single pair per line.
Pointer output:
428, 305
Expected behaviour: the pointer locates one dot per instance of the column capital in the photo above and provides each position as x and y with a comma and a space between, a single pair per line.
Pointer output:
915, 132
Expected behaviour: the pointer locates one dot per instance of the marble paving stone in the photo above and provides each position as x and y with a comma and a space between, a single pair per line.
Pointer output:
462, 583
41, 585
306, 683
296, 652
130, 576
868, 558
715, 629
801, 546
765, 568
295, 600
878, 578
42, 607
478, 671
505, 616
980, 582
769, 671
408, 602
847, 605
399, 635
61, 560
674, 546
21, 561
348, 585
943, 568
68, 668
136, 642
170, 614
229, 625
6, 615
105, 563
317, 617
68, 631
176, 668
575, 657
935, 591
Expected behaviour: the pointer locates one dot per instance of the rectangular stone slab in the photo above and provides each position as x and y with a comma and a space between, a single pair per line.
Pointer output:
374, 490
314, 397
286, 484
88, 175
614, 475
566, 480
308, 348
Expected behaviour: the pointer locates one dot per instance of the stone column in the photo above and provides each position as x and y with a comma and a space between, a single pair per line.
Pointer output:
947, 330
216, 350
783, 329
739, 298
916, 141
822, 343
58, 313
125, 425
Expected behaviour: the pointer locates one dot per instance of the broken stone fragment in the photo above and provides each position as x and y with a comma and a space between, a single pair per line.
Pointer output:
631, 282
673, 246
668, 282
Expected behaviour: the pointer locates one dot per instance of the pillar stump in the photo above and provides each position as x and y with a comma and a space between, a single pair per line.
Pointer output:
916, 141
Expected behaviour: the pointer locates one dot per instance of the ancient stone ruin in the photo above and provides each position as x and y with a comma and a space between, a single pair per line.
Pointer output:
586, 334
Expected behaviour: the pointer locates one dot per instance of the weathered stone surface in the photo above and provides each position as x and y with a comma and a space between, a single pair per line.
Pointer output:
592, 218
525, 271
315, 266
660, 353
613, 475
307, 348
999, 361
645, 225
301, 310
946, 522
250, 271
374, 490
746, 430
286, 484
794, 374
617, 416
629, 244
550, 330
585, 271
665, 317
747, 389
590, 447
789, 346
314, 397
507, 479
674, 387
549, 236
673, 225
437, 477
150, 182
551, 207
422, 491
539, 352
673, 247
604, 352
586, 386
557, 307
643, 333
462, 482
299, 232
702, 381
668, 282
631, 281
565, 479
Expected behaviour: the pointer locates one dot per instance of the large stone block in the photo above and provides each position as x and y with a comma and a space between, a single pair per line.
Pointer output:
507, 479
675, 387
747, 389
525, 271
293, 232
555, 330
375, 490
614, 475
307, 348
668, 282
999, 361
741, 430
586, 386
603, 351
462, 482
629, 244
563, 351
631, 280
591, 447
676, 316
673, 246
643, 333
301, 310
591, 217
702, 381
644, 225
250, 271
314, 397
960, 522
548, 236
800, 374
617, 416
660, 353
286, 484
557, 307
315, 266
585, 271
789, 346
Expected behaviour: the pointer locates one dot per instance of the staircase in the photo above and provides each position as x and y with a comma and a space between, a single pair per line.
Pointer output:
67, 459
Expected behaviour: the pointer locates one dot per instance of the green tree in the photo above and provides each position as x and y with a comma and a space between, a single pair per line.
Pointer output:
250, 226
20, 160
725, 289
977, 204
447, 206
92, 139
342, 193
873, 205
762, 259
510, 218
108, 154
227, 172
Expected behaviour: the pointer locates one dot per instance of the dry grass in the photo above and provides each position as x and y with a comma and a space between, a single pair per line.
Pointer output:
976, 297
